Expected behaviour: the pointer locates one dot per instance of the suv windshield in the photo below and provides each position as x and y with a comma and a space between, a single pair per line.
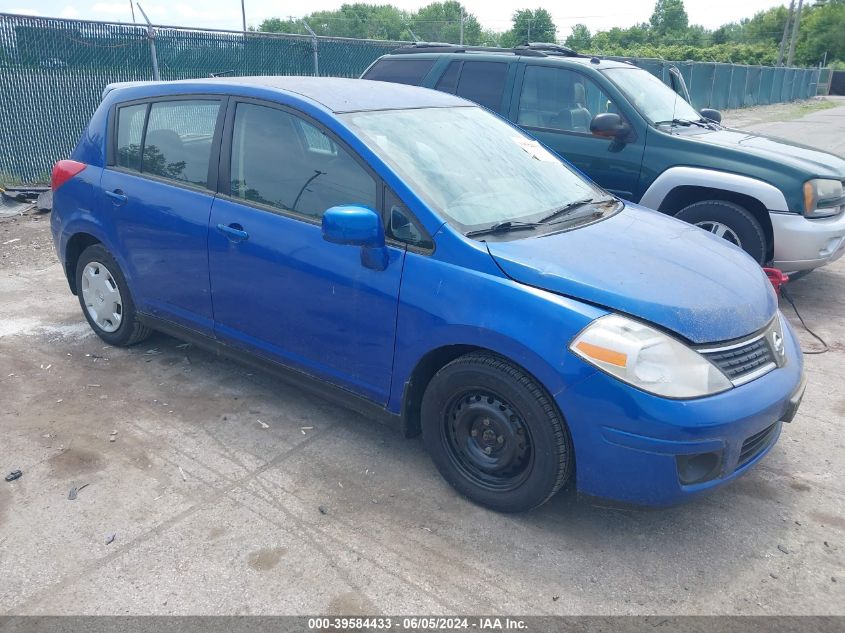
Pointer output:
656, 101
472, 167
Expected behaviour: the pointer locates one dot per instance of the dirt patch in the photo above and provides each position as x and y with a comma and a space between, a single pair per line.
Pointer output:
800, 486
829, 519
75, 461
5, 502
266, 559
351, 603
216, 532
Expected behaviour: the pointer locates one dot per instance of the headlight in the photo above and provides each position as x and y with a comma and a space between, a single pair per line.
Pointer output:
647, 358
822, 197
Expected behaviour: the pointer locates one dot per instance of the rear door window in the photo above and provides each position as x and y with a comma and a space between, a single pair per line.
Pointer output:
177, 144
483, 82
283, 161
400, 71
130, 127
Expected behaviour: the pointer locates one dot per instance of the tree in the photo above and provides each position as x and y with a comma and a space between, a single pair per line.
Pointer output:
351, 20
530, 26
441, 22
822, 31
580, 39
669, 18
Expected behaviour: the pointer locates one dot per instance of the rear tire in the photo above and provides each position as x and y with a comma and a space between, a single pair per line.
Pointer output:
495, 434
105, 299
730, 221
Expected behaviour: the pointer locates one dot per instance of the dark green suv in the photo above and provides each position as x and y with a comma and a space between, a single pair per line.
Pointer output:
638, 138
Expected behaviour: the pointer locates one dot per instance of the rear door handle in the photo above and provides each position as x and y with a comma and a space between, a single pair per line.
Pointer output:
233, 232
117, 196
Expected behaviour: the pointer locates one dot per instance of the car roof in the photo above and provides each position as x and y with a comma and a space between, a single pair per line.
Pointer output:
506, 55
335, 94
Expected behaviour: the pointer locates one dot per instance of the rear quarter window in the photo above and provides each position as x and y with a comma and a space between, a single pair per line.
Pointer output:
400, 71
482, 82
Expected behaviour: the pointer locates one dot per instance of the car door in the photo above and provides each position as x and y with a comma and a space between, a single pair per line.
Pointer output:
279, 289
156, 194
556, 105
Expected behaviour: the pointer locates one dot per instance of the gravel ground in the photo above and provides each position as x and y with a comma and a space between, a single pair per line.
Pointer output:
214, 514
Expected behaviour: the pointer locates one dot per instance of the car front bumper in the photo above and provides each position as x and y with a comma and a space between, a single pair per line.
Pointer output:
804, 244
631, 446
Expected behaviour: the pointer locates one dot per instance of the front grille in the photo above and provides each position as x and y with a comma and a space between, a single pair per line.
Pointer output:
756, 444
751, 358
740, 361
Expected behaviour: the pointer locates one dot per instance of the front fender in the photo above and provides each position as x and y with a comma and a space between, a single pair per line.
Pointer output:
443, 305
768, 195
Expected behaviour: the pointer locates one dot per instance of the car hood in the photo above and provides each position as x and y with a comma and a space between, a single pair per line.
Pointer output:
648, 265
795, 155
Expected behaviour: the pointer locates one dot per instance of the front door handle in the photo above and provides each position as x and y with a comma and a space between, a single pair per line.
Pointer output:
117, 196
233, 232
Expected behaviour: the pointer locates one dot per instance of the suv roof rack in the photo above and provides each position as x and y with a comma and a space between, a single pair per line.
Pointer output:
528, 49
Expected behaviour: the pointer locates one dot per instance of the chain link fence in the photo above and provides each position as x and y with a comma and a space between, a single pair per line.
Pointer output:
53, 71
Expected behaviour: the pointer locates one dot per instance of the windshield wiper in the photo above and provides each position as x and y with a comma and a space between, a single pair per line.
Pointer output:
572, 206
503, 227
684, 122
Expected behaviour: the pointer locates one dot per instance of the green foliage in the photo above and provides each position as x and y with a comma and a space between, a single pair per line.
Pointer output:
580, 39
530, 26
667, 34
822, 30
441, 22
669, 18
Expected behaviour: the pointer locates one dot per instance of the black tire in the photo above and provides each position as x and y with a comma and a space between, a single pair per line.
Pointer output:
130, 330
749, 234
530, 454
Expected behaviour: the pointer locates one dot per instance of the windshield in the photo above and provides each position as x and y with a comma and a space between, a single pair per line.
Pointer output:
656, 101
470, 166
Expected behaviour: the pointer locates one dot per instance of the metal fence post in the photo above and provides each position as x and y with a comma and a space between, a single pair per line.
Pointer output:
151, 36
314, 44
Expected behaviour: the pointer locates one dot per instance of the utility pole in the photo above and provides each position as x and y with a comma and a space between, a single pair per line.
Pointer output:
462, 25
785, 32
791, 57
132, 8
243, 14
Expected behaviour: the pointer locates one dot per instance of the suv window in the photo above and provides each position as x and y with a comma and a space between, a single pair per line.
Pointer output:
400, 71
130, 127
282, 161
482, 82
177, 144
560, 99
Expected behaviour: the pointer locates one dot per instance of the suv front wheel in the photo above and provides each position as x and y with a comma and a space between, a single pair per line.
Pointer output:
729, 221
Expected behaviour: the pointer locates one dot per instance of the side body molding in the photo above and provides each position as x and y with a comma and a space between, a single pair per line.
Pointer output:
674, 177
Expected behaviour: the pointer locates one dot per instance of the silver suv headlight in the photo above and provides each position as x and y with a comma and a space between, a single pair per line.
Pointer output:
648, 359
822, 197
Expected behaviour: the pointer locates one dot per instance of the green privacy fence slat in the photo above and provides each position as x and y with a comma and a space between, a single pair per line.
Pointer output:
52, 73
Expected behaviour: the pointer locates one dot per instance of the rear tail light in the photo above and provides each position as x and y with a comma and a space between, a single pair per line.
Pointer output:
63, 171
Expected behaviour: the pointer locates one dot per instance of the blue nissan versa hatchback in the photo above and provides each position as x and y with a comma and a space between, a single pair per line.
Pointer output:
420, 257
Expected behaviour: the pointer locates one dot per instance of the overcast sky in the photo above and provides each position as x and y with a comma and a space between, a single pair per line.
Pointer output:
495, 14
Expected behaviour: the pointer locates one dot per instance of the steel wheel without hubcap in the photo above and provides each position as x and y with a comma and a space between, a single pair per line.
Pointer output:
487, 441
720, 230
102, 297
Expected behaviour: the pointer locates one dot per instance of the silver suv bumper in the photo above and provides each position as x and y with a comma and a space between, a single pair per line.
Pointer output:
802, 244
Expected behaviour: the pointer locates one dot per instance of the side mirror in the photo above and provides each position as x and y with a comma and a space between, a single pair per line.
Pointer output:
355, 225
610, 125
713, 115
